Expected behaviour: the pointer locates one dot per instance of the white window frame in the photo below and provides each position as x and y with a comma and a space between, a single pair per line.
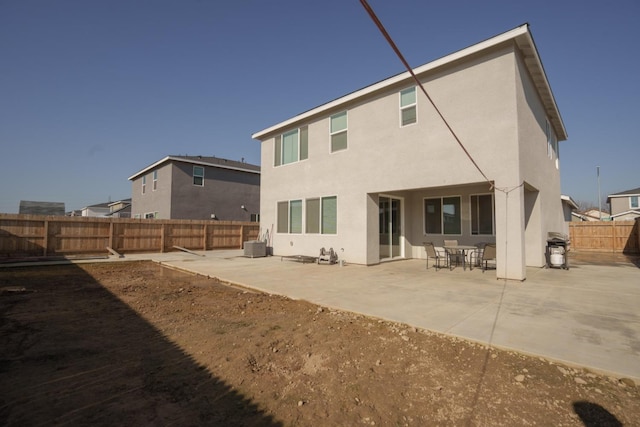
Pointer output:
194, 176
493, 215
144, 184
408, 106
154, 186
289, 223
631, 204
151, 215
442, 228
321, 222
337, 132
302, 146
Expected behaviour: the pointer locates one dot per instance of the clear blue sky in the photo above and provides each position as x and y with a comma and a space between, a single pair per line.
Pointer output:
93, 91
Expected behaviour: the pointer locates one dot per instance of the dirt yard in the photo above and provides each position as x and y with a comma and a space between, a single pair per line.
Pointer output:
137, 344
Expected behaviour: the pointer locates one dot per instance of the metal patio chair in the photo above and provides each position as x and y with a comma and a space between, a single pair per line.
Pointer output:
432, 253
489, 254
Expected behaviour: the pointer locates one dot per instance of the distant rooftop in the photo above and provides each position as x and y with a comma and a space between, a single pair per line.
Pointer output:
28, 207
204, 161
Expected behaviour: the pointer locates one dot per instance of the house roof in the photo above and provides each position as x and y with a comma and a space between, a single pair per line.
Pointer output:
107, 204
634, 192
569, 201
631, 211
520, 35
215, 162
97, 205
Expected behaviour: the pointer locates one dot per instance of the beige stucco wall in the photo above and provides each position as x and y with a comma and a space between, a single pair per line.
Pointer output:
620, 204
484, 103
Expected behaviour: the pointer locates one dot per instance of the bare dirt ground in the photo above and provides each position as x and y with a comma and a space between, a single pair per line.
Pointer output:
137, 344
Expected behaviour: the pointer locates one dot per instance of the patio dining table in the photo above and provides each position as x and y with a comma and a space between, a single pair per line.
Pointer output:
462, 249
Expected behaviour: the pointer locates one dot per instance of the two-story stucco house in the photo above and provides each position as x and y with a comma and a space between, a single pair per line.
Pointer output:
377, 172
196, 187
625, 205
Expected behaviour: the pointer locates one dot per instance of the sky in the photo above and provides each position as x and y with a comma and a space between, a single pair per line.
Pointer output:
91, 92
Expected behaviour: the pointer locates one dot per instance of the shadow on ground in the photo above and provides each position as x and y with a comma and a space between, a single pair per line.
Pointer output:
72, 353
577, 258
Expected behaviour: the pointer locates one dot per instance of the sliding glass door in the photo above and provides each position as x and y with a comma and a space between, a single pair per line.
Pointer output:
390, 223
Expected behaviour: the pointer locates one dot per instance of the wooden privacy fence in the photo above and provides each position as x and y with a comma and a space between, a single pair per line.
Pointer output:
35, 235
606, 236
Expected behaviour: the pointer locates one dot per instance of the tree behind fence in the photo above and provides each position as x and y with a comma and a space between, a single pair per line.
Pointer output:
35, 235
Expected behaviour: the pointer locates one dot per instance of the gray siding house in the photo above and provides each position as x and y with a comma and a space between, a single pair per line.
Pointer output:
376, 173
196, 187
625, 205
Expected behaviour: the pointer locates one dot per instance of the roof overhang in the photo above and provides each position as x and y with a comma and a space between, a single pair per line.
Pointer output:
569, 201
520, 35
194, 162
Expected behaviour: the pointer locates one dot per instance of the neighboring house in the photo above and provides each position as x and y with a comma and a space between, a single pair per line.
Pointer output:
197, 187
568, 208
28, 207
594, 215
99, 209
625, 205
376, 173
120, 209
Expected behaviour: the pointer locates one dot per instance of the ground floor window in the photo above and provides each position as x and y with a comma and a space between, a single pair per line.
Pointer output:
442, 215
151, 215
482, 216
290, 216
320, 215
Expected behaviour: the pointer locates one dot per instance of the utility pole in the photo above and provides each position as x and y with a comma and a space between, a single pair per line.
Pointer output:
599, 198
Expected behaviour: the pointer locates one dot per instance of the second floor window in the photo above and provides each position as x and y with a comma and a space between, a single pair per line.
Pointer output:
198, 176
144, 184
339, 132
633, 202
291, 146
155, 180
408, 107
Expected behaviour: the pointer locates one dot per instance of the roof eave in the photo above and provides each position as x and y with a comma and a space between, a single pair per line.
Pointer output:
194, 162
520, 34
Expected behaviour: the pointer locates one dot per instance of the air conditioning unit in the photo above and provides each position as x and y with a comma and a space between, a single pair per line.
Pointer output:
255, 248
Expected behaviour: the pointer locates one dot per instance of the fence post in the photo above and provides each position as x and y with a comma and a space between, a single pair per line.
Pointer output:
162, 231
111, 233
45, 243
204, 236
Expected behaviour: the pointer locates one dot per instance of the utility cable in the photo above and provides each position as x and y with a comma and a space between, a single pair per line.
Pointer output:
395, 48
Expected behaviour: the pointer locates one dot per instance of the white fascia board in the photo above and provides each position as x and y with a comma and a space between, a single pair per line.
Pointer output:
615, 196
569, 201
522, 30
194, 162
159, 162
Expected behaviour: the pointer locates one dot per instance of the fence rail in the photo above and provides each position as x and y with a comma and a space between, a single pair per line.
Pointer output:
36, 235
606, 236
